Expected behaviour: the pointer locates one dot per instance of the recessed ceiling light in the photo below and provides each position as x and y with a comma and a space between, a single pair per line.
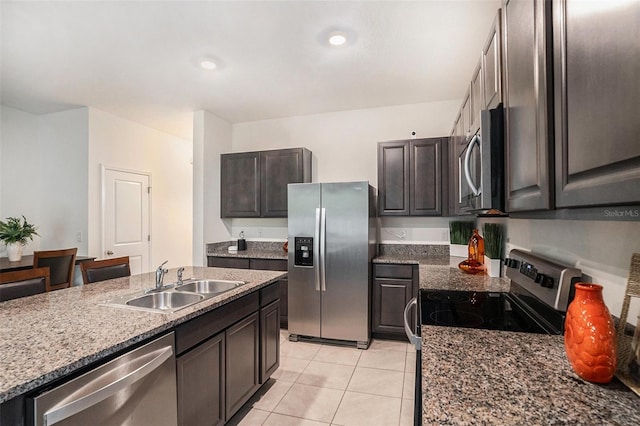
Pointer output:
337, 39
208, 64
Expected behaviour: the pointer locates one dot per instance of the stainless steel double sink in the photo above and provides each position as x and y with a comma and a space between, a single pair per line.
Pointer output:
172, 298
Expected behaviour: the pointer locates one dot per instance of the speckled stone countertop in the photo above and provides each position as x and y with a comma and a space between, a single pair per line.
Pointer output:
472, 376
47, 336
255, 250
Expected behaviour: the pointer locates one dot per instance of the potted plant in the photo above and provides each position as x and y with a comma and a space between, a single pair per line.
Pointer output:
459, 232
493, 248
15, 233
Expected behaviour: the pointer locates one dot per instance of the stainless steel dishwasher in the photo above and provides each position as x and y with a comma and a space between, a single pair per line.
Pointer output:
137, 388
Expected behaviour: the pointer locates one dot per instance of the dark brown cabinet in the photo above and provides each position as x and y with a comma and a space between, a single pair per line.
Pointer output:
528, 121
393, 288
476, 100
412, 177
264, 264
254, 184
201, 384
224, 356
269, 340
492, 66
597, 107
242, 362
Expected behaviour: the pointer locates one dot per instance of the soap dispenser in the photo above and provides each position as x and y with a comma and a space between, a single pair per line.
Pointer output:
242, 243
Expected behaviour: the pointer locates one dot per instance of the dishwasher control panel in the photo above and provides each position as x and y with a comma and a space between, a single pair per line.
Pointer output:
303, 255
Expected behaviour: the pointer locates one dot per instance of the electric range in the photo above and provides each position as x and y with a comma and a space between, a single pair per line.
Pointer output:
540, 291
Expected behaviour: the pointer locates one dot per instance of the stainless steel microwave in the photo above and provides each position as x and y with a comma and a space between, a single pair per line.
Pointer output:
481, 165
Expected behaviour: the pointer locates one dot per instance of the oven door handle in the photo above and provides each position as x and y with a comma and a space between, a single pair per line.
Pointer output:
414, 339
467, 165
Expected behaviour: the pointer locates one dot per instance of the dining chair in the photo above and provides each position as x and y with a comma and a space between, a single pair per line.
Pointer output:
23, 283
61, 264
106, 269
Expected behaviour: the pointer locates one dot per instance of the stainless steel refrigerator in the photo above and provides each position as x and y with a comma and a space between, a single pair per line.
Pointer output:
332, 239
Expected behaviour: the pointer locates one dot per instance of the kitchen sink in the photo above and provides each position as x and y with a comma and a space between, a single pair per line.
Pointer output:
165, 300
171, 299
212, 287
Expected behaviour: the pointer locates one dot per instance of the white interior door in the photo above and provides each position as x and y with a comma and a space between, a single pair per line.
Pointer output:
125, 216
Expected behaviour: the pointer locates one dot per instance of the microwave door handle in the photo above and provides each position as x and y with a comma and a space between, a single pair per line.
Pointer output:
467, 165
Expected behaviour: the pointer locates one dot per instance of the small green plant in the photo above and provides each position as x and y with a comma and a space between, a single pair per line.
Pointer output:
16, 231
493, 234
460, 231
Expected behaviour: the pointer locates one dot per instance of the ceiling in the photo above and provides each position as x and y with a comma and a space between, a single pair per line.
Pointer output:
139, 59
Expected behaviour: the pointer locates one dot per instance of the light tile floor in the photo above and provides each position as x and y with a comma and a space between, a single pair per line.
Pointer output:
321, 384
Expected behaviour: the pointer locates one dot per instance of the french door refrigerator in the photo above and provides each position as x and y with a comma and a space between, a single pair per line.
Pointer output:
332, 239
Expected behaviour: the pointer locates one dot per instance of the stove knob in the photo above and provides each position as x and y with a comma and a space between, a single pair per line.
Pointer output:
539, 279
547, 282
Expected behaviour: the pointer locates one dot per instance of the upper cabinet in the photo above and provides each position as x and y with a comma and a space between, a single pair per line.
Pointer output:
597, 102
528, 120
254, 184
476, 100
492, 66
412, 176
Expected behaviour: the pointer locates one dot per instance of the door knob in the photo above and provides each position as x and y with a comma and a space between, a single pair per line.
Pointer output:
109, 252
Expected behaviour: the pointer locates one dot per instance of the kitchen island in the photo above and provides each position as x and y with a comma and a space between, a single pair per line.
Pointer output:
52, 335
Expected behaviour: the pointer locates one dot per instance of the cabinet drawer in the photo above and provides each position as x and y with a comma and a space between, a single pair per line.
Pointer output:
227, 262
393, 271
269, 293
269, 264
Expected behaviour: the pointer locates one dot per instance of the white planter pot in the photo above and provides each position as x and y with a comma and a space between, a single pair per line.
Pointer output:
14, 251
459, 250
494, 266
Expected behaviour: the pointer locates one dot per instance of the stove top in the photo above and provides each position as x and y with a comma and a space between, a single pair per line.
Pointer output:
536, 303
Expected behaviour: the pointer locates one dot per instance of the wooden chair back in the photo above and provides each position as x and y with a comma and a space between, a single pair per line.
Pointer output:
106, 269
23, 283
61, 264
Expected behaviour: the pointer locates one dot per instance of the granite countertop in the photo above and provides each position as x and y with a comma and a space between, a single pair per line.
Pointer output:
255, 250
49, 335
472, 376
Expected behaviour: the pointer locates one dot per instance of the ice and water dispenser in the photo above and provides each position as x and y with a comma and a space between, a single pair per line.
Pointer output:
303, 255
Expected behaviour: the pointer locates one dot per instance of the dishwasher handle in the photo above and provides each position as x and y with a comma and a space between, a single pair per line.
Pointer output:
63, 412
414, 339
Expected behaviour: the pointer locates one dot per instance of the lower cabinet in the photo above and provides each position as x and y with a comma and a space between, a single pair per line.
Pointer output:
393, 288
201, 384
243, 369
225, 355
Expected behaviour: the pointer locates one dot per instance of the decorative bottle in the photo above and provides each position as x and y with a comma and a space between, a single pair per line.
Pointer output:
589, 336
475, 259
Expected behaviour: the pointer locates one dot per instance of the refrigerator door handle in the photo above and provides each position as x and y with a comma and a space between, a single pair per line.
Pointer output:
323, 248
316, 251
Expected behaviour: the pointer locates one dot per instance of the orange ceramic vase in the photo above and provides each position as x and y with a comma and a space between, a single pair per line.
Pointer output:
589, 336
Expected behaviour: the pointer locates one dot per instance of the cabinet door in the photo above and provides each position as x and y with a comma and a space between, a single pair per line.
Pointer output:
227, 262
426, 186
393, 178
491, 66
390, 296
597, 103
240, 185
465, 116
201, 384
242, 362
278, 169
528, 127
283, 287
477, 99
269, 340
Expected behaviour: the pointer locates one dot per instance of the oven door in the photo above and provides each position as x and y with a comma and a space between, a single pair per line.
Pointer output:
470, 174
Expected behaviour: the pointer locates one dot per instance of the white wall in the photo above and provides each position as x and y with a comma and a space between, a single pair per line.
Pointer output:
344, 146
44, 175
211, 137
119, 143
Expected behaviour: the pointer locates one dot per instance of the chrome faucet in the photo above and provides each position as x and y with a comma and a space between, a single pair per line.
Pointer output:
180, 271
160, 275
